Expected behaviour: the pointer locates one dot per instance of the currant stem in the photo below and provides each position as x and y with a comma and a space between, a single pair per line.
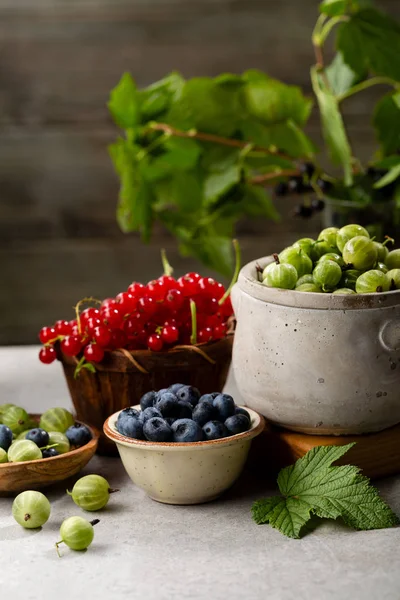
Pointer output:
57, 544
193, 312
168, 270
236, 248
78, 306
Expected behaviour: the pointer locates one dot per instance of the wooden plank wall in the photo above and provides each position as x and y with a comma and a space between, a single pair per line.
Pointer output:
58, 61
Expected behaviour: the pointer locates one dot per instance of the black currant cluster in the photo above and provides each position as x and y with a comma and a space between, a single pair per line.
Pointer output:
300, 184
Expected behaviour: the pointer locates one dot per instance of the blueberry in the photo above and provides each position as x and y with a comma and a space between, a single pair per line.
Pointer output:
167, 404
188, 393
39, 436
175, 387
185, 410
49, 452
126, 415
148, 400
78, 435
214, 430
237, 424
149, 413
157, 430
186, 430
204, 412
242, 411
225, 406
207, 398
131, 426
170, 420
6, 437
160, 393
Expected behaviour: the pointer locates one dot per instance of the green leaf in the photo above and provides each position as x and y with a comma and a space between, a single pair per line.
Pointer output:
386, 120
341, 78
134, 212
313, 486
332, 126
214, 251
334, 8
217, 184
257, 201
156, 98
370, 42
272, 101
389, 177
388, 162
287, 137
124, 103
180, 154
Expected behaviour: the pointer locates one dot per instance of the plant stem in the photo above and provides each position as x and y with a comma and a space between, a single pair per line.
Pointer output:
327, 28
214, 139
193, 312
364, 85
168, 270
235, 273
154, 144
260, 179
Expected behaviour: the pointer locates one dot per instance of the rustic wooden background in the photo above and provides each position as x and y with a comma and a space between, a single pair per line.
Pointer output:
58, 60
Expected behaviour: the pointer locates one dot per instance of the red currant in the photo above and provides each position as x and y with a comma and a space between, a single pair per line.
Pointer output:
193, 275
156, 290
71, 345
174, 299
207, 286
136, 289
126, 303
146, 306
118, 339
102, 336
170, 334
46, 334
188, 286
168, 282
154, 342
47, 355
226, 307
133, 325
63, 327
112, 316
219, 331
91, 323
172, 322
89, 313
205, 335
108, 303
94, 353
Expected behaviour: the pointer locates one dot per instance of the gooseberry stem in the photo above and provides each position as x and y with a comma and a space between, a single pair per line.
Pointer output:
57, 544
193, 312
387, 240
94, 522
276, 258
168, 270
112, 491
236, 248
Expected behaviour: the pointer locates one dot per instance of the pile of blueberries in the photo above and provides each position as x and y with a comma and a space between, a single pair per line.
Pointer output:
181, 414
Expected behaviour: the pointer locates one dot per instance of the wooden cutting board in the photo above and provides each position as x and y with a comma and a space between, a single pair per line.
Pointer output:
377, 454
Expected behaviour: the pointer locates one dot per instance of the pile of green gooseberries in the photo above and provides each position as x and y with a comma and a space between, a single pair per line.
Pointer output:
31, 510
24, 439
340, 261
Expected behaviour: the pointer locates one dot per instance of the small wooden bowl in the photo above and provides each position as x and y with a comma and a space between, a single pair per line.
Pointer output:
36, 474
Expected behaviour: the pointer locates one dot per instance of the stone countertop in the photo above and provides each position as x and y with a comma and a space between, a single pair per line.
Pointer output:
149, 551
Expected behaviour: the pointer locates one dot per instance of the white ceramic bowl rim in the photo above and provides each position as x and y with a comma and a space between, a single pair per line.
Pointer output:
257, 425
250, 284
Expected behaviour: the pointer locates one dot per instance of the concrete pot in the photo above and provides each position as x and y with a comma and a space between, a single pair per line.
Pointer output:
317, 363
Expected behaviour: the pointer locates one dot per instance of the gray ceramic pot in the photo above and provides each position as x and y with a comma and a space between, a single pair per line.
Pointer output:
317, 363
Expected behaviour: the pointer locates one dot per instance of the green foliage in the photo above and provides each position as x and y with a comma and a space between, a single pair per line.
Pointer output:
312, 486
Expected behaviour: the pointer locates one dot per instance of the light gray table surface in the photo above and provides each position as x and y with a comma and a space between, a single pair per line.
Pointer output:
150, 551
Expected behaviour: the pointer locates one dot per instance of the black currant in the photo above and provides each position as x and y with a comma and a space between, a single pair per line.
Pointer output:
324, 185
317, 204
307, 169
301, 210
296, 185
281, 188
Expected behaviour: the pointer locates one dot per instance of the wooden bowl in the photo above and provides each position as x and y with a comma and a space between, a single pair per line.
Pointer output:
123, 377
36, 474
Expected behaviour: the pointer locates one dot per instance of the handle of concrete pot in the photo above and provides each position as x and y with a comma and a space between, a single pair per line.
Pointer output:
389, 335
236, 295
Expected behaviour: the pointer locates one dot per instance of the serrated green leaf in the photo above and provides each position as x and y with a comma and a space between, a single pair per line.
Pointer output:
124, 103
287, 137
313, 486
180, 154
333, 126
370, 41
386, 120
273, 102
134, 211
157, 97
340, 76
219, 183
389, 177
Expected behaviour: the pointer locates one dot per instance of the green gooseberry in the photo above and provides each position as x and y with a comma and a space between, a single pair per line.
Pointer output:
307, 278
3, 409
349, 278
360, 252
282, 276
380, 266
306, 244
320, 248
348, 232
333, 256
266, 269
298, 258
59, 441
3, 456
393, 259
91, 492
76, 533
328, 235
23, 450
16, 419
327, 275
22, 435
394, 277
56, 419
372, 281
309, 287
31, 509
343, 291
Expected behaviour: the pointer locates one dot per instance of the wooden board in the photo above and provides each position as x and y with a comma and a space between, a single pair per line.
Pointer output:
377, 454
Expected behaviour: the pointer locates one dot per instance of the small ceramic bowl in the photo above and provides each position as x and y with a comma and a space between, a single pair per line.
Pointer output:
184, 473
37, 474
